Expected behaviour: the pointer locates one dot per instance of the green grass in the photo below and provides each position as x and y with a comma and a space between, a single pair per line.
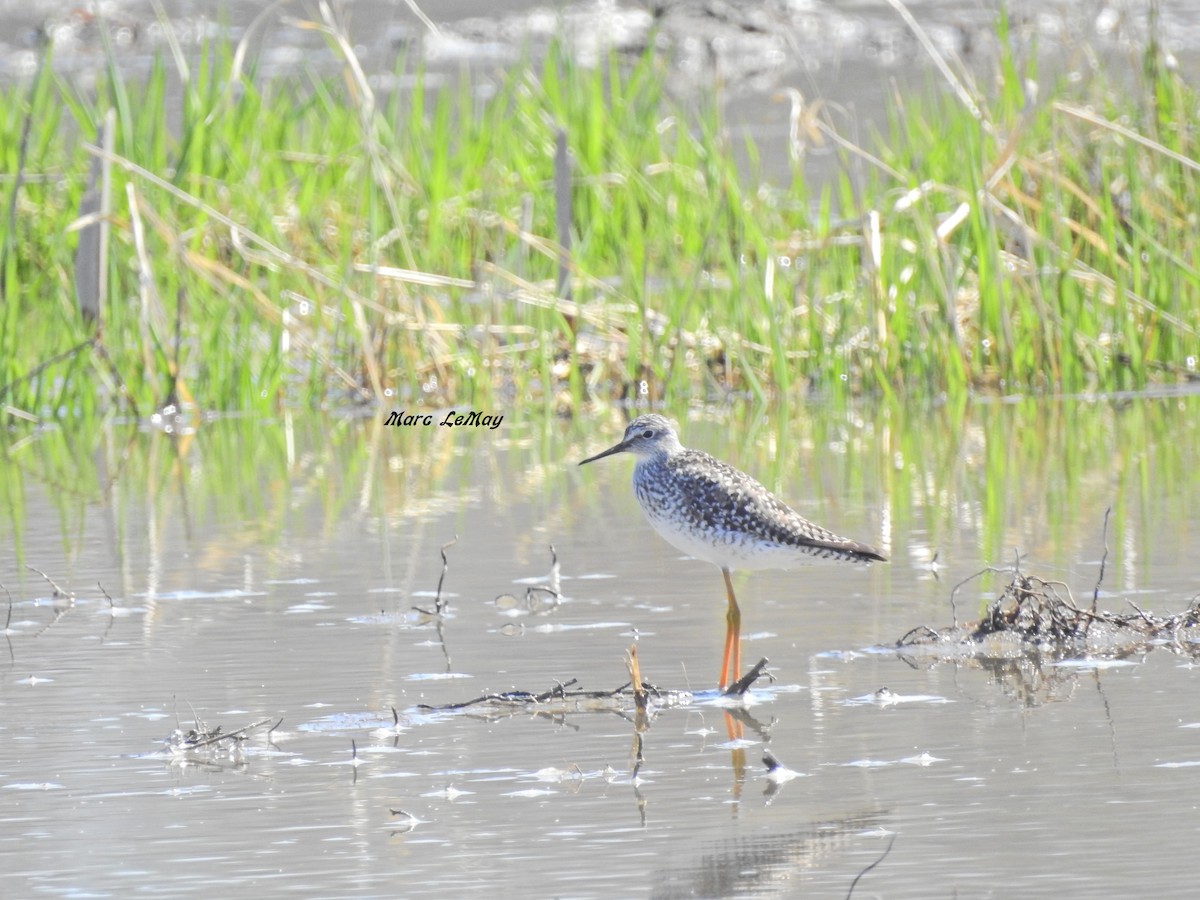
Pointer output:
319, 245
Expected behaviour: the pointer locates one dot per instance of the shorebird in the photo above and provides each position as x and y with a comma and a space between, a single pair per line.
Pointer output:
712, 511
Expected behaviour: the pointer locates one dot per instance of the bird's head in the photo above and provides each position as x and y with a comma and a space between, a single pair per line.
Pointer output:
646, 437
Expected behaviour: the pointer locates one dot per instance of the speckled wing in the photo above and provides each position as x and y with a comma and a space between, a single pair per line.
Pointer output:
731, 508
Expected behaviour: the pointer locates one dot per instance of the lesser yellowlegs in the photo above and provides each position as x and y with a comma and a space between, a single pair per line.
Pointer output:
712, 511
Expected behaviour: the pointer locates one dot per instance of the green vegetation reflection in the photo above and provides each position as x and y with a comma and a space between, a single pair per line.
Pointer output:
972, 482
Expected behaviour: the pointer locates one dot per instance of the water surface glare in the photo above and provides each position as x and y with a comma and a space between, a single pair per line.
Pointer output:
252, 590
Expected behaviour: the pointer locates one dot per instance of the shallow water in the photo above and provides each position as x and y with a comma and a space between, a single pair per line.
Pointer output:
279, 584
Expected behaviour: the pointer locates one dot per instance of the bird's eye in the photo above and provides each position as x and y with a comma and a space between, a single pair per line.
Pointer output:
648, 433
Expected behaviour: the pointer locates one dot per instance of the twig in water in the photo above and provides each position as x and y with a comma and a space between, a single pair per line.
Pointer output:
112, 611
739, 687
441, 633
555, 580
438, 606
954, 590
870, 867
1141, 612
1103, 559
58, 594
522, 699
406, 826
910, 636
770, 761
533, 592
1112, 726
200, 726
201, 737
635, 677
639, 757
218, 735
7, 626
58, 591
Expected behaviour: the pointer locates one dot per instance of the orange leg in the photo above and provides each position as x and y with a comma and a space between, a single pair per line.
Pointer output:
737, 755
731, 662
